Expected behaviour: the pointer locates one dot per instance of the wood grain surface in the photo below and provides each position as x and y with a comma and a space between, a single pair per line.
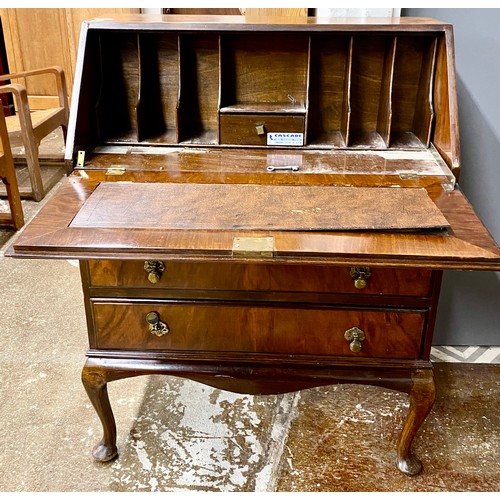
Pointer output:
258, 277
241, 128
253, 328
257, 207
467, 246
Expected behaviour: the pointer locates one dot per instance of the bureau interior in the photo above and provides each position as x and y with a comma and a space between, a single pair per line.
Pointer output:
366, 90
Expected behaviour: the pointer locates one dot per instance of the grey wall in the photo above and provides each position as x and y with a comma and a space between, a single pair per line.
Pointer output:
469, 311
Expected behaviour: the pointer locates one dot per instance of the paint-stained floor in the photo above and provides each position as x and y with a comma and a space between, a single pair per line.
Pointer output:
179, 435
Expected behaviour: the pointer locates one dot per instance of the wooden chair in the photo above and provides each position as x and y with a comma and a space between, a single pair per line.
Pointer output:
8, 176
27, 128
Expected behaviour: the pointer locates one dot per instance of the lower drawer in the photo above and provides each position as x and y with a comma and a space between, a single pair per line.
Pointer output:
195, 326
246, 129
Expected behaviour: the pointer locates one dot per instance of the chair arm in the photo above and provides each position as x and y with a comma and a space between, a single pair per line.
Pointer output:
22, 105
19, 92
57, 71
39, 71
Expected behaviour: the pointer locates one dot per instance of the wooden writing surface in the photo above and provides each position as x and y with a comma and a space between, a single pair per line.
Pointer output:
257, 207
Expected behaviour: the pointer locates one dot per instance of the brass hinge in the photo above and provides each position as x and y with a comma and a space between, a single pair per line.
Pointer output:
80, 159
253, 247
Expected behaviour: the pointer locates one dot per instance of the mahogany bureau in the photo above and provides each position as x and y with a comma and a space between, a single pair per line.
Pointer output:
263, 207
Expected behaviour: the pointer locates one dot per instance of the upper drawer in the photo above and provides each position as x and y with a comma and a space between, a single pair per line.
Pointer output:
253, 130
244, 327
259, 277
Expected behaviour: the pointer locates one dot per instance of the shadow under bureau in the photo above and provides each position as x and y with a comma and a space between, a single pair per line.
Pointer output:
263, 207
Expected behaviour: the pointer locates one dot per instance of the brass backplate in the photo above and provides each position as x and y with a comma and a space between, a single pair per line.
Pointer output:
253, 247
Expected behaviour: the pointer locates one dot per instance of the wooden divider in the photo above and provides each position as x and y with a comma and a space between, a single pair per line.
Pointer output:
199, 89
412, 93
371, 81
330, 60
158, 88
119, 87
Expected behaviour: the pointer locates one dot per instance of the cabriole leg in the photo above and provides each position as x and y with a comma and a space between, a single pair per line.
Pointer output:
422, 396
95, 382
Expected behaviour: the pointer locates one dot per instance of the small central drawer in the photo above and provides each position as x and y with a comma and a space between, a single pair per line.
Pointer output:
244, 327
233, 276
253, 129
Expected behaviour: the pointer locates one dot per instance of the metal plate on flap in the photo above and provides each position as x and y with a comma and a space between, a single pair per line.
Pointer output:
116, 170
253, 247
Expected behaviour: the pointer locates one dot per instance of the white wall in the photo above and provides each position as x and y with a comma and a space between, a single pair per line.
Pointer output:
359, 12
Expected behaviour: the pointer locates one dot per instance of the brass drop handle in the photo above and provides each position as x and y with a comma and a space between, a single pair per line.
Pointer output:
355, 336
156, 327
360, 276
154, 268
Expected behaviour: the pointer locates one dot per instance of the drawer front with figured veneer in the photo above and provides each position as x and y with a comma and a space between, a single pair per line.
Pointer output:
244, 327
260, 277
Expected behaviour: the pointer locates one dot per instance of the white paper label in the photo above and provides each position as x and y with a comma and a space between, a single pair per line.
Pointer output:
285, 139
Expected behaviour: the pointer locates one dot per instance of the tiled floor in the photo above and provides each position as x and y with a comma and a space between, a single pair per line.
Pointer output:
466, 354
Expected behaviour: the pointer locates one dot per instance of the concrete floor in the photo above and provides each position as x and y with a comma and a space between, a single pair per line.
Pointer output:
178, 435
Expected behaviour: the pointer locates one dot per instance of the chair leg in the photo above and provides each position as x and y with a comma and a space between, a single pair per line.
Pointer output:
16, 209
34, 171
30, 144
65, 132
